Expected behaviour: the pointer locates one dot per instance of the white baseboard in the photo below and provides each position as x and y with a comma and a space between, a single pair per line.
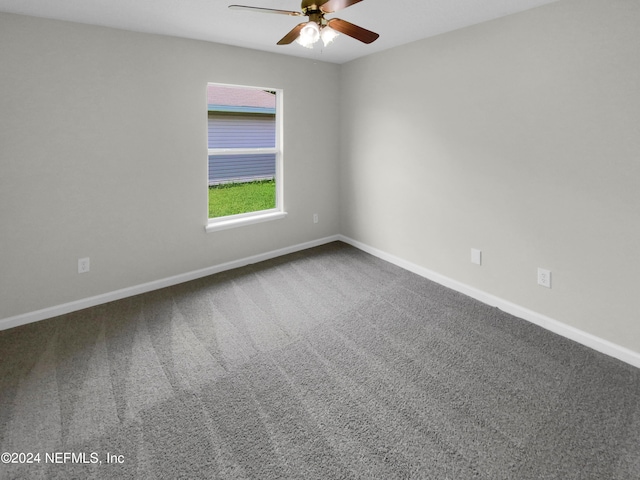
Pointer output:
51, 312
603, 346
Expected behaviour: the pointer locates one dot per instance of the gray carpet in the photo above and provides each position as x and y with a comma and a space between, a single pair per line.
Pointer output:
324, 364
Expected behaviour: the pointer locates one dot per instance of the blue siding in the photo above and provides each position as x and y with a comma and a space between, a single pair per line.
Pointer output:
241, 168
238, 109
241, 130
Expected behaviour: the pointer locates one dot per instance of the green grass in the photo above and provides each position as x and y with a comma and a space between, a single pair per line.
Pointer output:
234, 198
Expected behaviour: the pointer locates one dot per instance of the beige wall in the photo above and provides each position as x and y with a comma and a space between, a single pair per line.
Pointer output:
103, 154
520, 137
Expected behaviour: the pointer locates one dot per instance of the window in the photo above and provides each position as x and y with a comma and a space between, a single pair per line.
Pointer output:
245, 155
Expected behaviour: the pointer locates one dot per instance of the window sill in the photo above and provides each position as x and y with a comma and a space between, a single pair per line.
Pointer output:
216, 225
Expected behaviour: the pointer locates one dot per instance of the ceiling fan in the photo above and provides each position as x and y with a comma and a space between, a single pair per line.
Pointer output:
318, 27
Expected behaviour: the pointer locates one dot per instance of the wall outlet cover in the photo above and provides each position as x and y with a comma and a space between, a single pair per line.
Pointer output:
83, 265
544, 277
476, 256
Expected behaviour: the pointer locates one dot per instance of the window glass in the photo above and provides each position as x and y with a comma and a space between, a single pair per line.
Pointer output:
244, 150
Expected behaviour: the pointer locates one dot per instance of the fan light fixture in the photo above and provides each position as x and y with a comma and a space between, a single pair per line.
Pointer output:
318, 27
312, 32
328, 35
309, 35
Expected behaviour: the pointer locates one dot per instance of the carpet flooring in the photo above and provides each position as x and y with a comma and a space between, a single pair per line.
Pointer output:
323, 364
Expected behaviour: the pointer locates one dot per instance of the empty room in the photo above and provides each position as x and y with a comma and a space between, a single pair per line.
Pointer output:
341, 239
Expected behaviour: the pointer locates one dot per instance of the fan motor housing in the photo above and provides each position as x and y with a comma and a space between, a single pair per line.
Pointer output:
308, 5
315, 16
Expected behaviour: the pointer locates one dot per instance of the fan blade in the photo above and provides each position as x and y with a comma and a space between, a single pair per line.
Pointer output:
359, 33
265, 10
292, 35
330, 6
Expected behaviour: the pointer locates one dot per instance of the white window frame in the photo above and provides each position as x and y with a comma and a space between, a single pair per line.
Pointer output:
249, 218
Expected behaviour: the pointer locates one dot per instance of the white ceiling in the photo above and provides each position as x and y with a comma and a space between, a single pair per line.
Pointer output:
397, 22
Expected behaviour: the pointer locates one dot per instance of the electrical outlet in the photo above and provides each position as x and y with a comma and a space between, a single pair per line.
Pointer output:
83, 265
544, 277
315, 218
476, 256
